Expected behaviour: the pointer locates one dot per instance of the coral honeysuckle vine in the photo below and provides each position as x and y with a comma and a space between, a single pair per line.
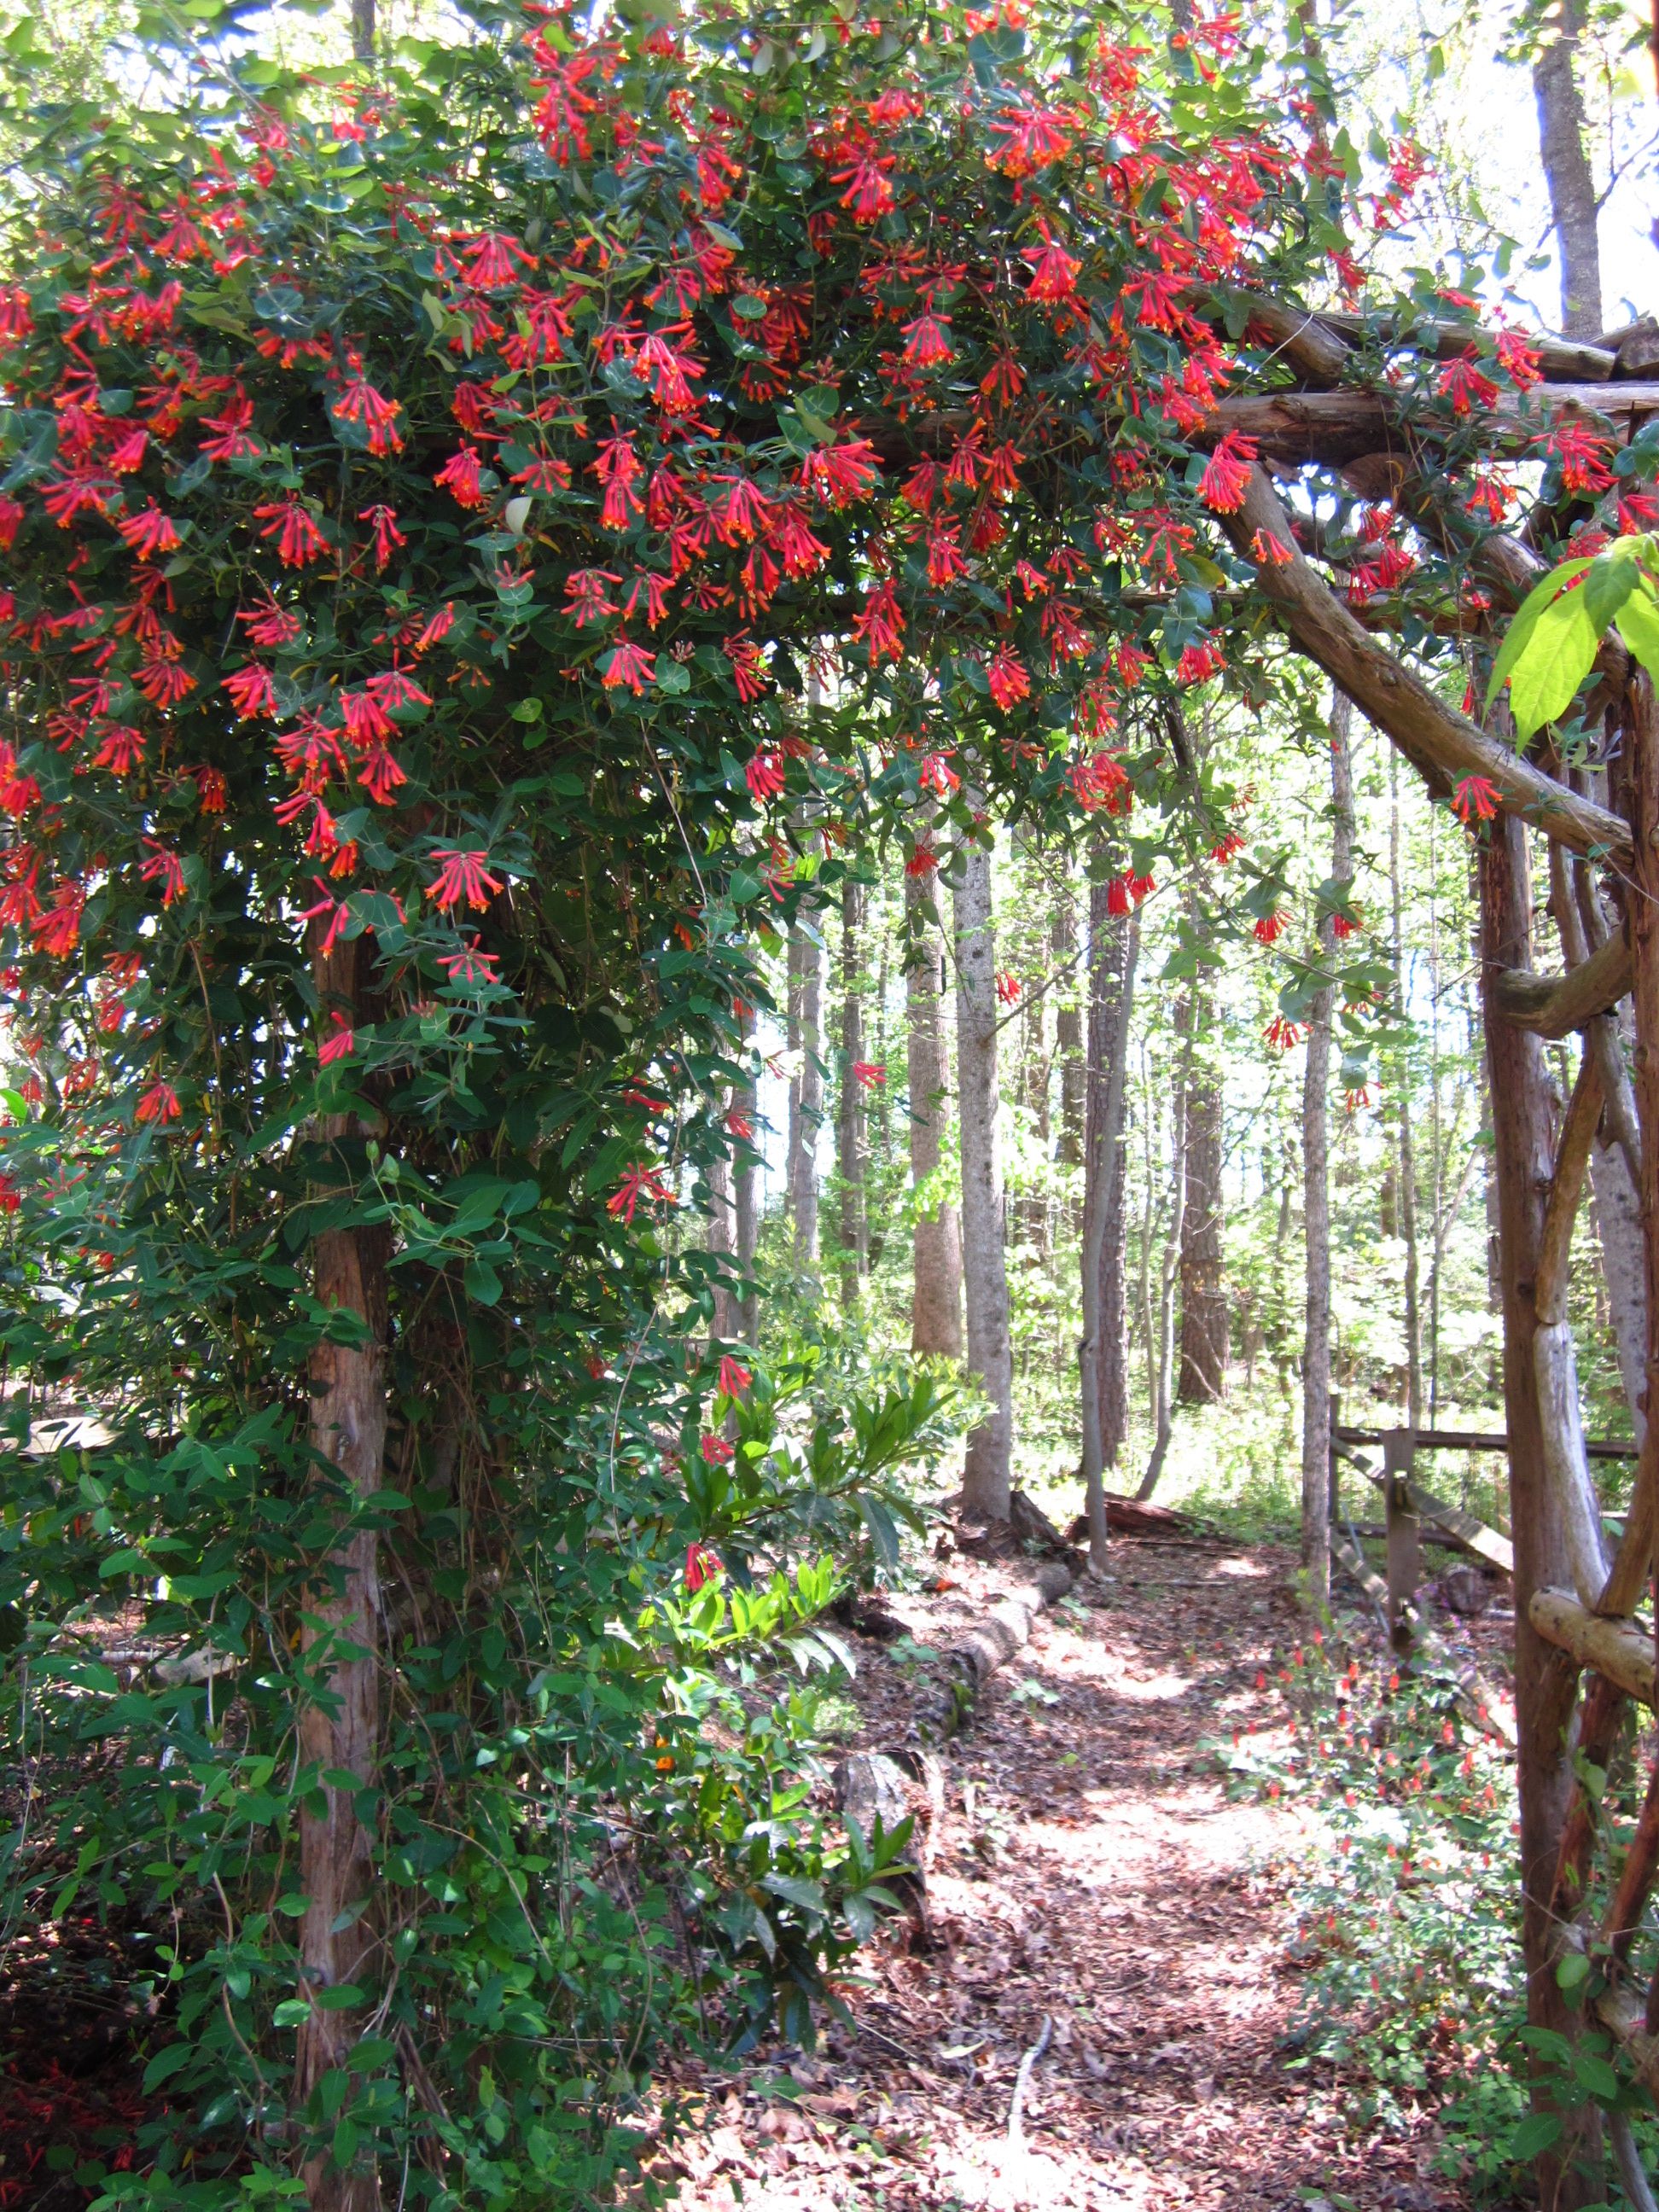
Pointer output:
485, 538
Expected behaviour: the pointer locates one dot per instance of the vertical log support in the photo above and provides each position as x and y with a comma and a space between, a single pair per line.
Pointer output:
1569, 2175
1642, 726
1405, 1540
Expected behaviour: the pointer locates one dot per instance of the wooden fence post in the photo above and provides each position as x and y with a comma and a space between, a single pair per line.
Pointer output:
1405, 1545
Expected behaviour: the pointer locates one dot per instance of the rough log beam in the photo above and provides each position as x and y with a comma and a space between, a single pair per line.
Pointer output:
1442, 745
1599, 1722
1555, 1005
1339, 427
1617, 1649
1323, 343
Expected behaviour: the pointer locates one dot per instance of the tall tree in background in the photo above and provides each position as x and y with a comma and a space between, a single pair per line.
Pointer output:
1161, 1322
1204, 1327
806, 1008
936, 1289
1404, 1107
1567, 173
1068, 1026
853, 1234
1316, 1201
987, 1475
1113, 948
745, 1169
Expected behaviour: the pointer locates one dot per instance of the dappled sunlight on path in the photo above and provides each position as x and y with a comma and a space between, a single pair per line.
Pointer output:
1091, 1872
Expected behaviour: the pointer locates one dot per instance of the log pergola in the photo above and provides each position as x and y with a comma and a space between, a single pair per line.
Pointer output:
1580, 1658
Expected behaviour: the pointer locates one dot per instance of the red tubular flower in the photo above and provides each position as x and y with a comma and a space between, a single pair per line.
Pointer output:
881, 625
1008, 990
1268, 551
57, 930
869, 193
1226, 477
734, 1378
461, 475
638, 1181
463, 875
360, 402
159, 1104
867, 1075
339, 1046
1475, 800
149, 533
1465, 385
1281, 1034
927, 341
628, 664
701, 1563
764, 776
165, 868
1053, 271
1271, 927
383, 521
299, 541
251, 690
1008, 679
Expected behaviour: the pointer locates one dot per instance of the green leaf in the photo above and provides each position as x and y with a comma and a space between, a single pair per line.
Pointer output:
1553, 662
1539, 2132
1637, 624
1526, 617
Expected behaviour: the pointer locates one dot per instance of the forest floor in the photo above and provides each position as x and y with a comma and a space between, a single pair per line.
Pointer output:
1091, 1872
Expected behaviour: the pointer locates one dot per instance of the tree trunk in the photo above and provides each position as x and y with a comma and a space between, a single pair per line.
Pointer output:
1520, 1092
805, 1094
850, 1128
1567, 170
1203, 1332
1102, 1363
722, 1240
1069, 1028
1033, 1207
936, 1282
746, 1216
362, 30
987, 1479
1164, 1408
339, 1722
1316, 1201
1408, 1151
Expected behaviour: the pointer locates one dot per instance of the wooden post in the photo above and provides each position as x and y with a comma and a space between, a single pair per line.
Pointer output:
1405, 1539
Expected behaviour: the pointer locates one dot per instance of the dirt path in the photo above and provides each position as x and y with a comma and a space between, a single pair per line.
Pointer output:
1092, 1872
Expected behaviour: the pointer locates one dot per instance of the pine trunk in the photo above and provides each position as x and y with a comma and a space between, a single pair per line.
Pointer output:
1316, 1200
1163, 1369
936, 1285
987, 1479
1113, 944
1068, 1029
339, 1726
1567, 171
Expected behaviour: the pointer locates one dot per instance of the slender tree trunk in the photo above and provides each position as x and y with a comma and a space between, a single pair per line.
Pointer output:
1102, 1363
1316, 1200
850, 1130
1164, 1400
1204, 1331
807, 1096
722, 1240
362, 30
1069, 1027
1569, 2175
1403, 1108
1566, 168
936, 1290
339, 1725
746, 1212
1034, 1094
987, 1477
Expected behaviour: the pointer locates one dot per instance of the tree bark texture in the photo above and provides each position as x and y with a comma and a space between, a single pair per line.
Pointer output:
745, 1175
987, 1479
1102, 1361
362, 30
936, 1286
806, 1092
1161, 1365
850, 1148
1069, 1028
339, 1721
1316, 1199
1403, 1110
1204, 1325
722, 1242
1561, 144
1569, 2175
